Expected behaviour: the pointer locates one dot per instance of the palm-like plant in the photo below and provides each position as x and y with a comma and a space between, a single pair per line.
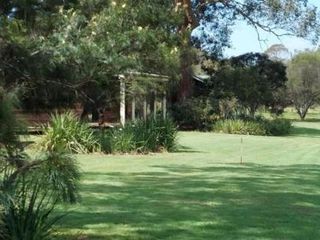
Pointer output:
65, 132
29, 189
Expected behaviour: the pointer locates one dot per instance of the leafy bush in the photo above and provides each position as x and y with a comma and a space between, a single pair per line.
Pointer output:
228, 107
9, 124
66, 132
30, 189
278, 127
140, 136
30, 193
118, 140
28, 212
239, 127
191, 114
254, 126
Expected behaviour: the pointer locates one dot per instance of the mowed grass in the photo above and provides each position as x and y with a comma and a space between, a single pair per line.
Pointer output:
202, 191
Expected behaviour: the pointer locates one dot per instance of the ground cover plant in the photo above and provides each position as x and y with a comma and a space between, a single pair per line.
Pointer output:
202, 191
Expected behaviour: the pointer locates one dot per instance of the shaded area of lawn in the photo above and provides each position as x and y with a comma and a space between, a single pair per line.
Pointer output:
305, 132
200, 192
221, 201
308, 128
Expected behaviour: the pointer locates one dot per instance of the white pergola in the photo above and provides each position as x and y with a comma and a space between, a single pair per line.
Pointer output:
146, 107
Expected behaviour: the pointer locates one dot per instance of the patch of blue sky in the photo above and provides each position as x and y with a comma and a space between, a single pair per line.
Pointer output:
245, 39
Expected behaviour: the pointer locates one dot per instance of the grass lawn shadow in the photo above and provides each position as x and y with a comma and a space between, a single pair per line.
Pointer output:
305, 132
185, 149
221, 201
310, 120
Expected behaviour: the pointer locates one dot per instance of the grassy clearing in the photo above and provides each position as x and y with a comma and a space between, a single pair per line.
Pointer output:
202, 192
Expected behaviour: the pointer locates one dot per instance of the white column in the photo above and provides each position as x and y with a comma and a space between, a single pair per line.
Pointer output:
164, 105
133, 109
122, 101
145, 109
148, 108
155, 105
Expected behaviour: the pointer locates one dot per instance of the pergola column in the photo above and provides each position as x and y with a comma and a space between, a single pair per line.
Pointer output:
164, 105
145, 108
122, 101
133, 109
155, 105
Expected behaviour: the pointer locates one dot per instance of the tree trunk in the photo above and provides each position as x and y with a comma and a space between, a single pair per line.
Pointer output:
302, 112
186, 83
252, 110
190, 22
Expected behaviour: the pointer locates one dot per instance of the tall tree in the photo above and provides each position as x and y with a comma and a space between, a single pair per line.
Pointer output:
79, 47
211, 22
253, 79
304, 81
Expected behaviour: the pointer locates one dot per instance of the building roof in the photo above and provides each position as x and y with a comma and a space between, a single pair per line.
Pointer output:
199, 74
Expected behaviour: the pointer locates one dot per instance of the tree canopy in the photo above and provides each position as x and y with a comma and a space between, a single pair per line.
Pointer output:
304, 81
253, 79
80, 46
63, 51
212, 20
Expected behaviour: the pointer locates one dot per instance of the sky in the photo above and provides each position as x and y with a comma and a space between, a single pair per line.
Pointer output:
244, 39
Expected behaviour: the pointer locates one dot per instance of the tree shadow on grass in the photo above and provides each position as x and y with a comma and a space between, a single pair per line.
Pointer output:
223, 201
305, 132
311, 120
185, 149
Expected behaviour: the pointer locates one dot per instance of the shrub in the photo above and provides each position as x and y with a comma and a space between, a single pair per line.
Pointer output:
239, 127
117, 140
278, 127
152, 135
254, 126
191, 114
228, 108
66, 132
30, 189
28, 211
9, 124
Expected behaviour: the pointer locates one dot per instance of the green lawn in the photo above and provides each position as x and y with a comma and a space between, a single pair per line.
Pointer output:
202, 192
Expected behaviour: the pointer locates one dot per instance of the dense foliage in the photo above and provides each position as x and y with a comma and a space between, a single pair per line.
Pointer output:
304, 81
252, 79
69, 51
256, 126
72, 51
65, 132
30, 188
194, 113
239, 126
152, 135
